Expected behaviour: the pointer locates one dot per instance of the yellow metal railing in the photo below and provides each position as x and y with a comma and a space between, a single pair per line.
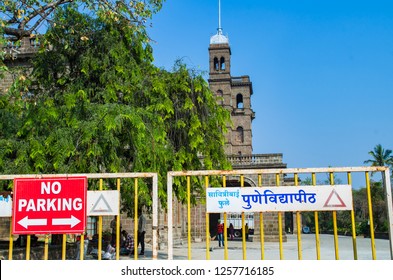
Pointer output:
245, 178
261, 225
275, 176
101, 177
298, 225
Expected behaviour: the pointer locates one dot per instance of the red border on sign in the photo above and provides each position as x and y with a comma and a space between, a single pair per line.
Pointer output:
49, 205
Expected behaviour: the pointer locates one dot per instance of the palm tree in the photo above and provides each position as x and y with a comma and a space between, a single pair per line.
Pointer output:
381, 157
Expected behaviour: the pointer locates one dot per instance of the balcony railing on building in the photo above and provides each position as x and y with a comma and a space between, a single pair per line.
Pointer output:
256, 161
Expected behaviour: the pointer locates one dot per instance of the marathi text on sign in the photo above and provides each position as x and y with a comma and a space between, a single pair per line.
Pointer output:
293, 198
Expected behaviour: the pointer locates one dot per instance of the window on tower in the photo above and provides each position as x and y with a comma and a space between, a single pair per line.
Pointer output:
239, 101
216, 63
222, 63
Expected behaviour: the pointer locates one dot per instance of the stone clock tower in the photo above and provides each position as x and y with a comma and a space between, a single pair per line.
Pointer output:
234, 94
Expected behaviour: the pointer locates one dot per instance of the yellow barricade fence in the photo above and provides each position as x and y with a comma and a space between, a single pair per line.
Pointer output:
99, 179
275, 178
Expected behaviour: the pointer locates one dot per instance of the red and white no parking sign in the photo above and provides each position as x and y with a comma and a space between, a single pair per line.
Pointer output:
49, 205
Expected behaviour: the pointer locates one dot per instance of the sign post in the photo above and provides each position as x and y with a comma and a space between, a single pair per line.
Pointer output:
49, 205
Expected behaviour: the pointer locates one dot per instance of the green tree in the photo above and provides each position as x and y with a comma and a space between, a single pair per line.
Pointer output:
96, 103
360, 205
380, 157
25, 18
28, 18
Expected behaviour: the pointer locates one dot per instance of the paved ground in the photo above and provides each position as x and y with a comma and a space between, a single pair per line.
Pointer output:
290, 249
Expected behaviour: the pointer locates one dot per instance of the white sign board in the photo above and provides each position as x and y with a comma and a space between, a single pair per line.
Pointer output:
102, 203
5, 206
274, 199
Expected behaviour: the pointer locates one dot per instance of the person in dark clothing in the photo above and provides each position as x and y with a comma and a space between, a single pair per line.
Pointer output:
231, 231
141, 232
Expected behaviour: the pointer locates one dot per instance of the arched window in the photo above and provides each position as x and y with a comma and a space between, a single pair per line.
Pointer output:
216, 63
222, 63
239, 101
239, 134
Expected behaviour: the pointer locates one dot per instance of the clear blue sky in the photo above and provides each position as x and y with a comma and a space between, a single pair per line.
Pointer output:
322, 71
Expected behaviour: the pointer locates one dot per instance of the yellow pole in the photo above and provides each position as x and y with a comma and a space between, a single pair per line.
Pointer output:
331, 175
118, 224
317, 239
243, 226
208, 236
82, 246
261, 227
64, 247
280, 223
99, 230
136, 218
28, 245
298, 226
46, 241
370, 213
189, 217
224, 184
355, 250
11, 244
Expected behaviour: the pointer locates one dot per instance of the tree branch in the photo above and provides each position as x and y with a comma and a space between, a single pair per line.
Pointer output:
40, 20
41, 12
18, 33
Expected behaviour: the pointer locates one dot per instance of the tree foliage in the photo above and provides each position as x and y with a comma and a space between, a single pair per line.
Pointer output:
25, 18
29, 18
95, 102
378, 202
380, 157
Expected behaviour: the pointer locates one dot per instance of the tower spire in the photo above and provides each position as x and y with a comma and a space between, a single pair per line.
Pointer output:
219, 17
219, 38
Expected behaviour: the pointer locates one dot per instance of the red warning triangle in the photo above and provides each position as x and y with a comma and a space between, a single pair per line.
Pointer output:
334, 200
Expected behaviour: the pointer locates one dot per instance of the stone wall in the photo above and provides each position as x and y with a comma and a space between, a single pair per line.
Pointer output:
5, 223
19, 58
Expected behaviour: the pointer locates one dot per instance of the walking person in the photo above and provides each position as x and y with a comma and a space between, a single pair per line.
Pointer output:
141, 232
220, 233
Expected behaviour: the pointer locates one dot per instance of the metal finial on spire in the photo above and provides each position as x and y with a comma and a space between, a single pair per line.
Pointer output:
219, 38
219, 17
